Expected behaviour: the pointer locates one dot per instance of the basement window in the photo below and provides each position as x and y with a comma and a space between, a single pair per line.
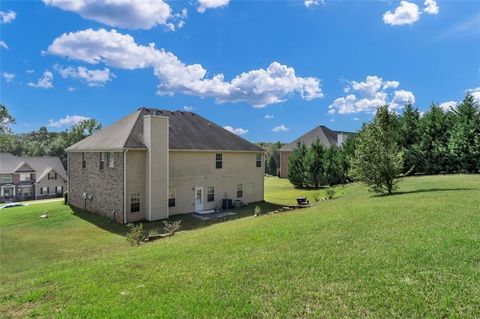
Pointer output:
239, 190
210, 194
134, 202
259, 160
171, 198
218, 160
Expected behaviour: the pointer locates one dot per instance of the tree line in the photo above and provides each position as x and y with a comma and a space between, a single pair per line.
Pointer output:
395, 145
42, 142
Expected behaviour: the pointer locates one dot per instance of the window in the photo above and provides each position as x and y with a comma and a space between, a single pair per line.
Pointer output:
25, 177
44, 190
59, 190
84, 162
134, 202
102, 160
239, 190
52, 175
7, 179
218, 160
210, 194
110, 159
249, 188
171, 198
259, 160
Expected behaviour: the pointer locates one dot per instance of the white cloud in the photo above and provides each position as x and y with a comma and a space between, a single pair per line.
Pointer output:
258, 87
188, 108
431, 7
3, 45
236, 131
7, 17
269, 117
332, 120
91, 77
30, 71
8, 76
211, 4
130, 14
71, 89
476, 94
311, 3
356, 119
448, 106
406, 13
68, 120
280, 128
368, 95
45, 82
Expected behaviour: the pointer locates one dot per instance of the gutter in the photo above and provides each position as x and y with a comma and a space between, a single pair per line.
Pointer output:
125, 186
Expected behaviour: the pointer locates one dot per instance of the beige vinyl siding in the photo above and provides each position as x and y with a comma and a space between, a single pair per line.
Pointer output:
135, 183
156, 163
51, 184
196, 168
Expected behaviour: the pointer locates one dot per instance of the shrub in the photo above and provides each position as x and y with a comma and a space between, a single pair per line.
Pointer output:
330, 192
257, 211
65, 198
136, 234
316, 196
171, 228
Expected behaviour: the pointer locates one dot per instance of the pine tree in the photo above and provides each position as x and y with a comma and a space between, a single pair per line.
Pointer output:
332, 166
296, 168
409, 126
464, 142
314, 165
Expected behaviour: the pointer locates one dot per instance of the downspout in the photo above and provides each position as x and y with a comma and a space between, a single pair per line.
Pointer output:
125, 186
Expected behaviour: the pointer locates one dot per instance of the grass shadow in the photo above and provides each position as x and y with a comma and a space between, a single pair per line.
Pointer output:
428, 190
188, 221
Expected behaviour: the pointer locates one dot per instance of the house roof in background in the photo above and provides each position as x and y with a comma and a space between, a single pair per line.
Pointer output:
326, 136
10, 163
187, 131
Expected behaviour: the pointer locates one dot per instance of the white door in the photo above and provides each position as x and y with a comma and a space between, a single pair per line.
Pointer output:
198, 199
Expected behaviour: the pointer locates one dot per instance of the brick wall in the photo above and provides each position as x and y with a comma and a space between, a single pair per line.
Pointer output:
105, 185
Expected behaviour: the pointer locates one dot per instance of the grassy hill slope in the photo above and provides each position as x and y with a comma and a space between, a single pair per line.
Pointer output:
414, 254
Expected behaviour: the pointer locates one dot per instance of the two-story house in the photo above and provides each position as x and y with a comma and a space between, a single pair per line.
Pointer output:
153, 164
34, 177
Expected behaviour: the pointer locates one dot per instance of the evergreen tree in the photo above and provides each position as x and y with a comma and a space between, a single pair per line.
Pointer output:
6, 119
378, 159
433, 141
464, 141
314, 165
272, 165
296, 168
409, 131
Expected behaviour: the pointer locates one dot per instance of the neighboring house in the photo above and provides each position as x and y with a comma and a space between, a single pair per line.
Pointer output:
326, 136
35, 177
153, 164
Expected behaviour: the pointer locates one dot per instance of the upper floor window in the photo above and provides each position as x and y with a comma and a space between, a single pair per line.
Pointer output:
25, 177
134, 202
259, 160
102, 160
110, 162
52, 175
84, 162
171, 198
218, 160
7, 179
210, 194
239, 190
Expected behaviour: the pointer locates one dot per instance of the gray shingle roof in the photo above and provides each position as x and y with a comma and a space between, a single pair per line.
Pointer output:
10, 164
326, 136
188, 131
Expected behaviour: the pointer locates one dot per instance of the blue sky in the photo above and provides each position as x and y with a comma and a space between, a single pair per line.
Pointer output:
298, 63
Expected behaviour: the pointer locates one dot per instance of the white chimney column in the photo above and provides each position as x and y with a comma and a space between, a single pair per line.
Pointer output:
156, 133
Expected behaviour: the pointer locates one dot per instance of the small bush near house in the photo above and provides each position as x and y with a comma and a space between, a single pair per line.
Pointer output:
136, 234
257, 211
171, 228
65, 198
330, 192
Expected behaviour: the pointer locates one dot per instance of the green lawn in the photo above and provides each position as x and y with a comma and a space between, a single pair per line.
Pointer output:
413, 254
